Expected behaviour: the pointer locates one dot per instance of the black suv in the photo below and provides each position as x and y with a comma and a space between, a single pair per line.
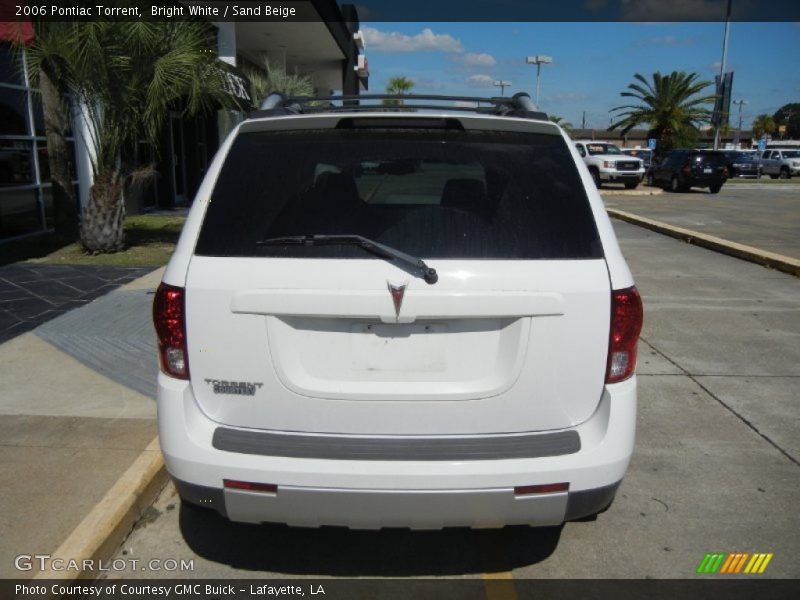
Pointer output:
684, 168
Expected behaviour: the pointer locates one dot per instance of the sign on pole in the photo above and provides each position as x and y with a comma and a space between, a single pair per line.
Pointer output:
762, 144
651, 143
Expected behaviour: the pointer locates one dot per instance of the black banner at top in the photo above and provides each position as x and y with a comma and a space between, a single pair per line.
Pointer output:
403, 10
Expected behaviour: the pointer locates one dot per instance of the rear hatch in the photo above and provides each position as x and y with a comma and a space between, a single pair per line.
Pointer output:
333, 339
706, 166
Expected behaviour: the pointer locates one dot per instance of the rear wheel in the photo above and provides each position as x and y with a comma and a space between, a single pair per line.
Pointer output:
674, 184
714, 189
596, 178
784, 173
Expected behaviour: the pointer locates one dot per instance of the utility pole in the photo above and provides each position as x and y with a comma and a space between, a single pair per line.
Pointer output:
740, 103
538, 60
583, 120
502, 85
738, 139
722, 66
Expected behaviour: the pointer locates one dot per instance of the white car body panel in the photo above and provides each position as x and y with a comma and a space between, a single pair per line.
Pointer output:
517, 347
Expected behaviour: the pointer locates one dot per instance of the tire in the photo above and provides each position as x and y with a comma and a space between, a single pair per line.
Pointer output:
714, 189
631, 185
596, 178
674, 184
784, 174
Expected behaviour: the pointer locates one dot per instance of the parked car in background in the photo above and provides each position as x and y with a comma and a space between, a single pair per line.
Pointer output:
742, 164
781, 164
644, 154
684, 168
607, 164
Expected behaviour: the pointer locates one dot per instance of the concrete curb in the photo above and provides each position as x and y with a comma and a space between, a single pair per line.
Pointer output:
647, 191
780, 262
112, 518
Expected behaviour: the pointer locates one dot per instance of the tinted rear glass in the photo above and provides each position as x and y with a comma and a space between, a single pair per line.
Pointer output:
432, 193
711, 158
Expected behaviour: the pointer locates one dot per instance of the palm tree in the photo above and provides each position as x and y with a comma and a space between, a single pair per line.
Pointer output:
127, 76
47, 72
400, 85
763, 124
275, 79
565, 125
671, 105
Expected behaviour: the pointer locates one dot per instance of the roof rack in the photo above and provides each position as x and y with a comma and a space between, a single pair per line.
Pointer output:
519, 105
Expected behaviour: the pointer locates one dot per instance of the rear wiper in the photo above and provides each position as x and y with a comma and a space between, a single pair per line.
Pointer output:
428, 273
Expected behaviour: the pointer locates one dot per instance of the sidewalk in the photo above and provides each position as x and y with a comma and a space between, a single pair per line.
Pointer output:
77, 405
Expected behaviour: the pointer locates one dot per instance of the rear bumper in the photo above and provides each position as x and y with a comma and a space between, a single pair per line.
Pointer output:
420, 494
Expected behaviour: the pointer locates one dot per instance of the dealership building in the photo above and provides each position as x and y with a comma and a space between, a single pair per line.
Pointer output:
328, 48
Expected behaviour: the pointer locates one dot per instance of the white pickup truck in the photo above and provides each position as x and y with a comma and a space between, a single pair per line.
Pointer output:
608, 164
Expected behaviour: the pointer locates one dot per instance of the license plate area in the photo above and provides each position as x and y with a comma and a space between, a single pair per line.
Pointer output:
419, 347
707, 171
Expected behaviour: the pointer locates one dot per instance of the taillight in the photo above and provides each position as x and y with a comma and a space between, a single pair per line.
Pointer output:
725, 171
687, 168
169, 317
626, 324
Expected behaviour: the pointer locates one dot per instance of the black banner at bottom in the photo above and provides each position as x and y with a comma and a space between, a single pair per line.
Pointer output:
391, 589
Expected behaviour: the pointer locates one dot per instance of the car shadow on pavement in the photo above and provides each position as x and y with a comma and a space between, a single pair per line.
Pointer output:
341, 552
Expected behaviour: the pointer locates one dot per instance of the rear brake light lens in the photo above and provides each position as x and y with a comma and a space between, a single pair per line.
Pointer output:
687, 168
724, 171
626, 325
250, 486
169, 317
547, 488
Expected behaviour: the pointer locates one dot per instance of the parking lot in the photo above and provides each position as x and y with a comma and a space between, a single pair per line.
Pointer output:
717, 462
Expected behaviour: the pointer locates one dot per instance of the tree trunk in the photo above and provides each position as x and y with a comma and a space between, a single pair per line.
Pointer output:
56, 124
104, 215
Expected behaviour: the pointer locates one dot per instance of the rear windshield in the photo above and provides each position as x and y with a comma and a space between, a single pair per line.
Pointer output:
708, 157
603, 149
432, 193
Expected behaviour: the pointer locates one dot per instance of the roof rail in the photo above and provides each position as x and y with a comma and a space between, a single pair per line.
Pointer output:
518, 105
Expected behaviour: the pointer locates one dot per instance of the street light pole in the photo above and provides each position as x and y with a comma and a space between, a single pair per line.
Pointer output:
723, 65
502, 85
538, 60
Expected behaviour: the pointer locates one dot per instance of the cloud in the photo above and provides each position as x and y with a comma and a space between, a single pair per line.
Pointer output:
474, 59
480, 81
424, 41
665, 40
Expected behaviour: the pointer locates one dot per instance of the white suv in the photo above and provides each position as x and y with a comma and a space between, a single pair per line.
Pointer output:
395, 318
607, 163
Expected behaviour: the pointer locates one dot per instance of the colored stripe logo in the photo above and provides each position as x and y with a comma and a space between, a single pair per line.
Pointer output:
734, 563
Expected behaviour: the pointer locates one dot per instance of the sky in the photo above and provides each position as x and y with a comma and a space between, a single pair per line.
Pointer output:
592, 62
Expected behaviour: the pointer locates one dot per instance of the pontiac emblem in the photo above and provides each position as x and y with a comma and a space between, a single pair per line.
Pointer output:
397, 292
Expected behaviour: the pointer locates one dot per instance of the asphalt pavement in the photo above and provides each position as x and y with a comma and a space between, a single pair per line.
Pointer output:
766, 216
716, 466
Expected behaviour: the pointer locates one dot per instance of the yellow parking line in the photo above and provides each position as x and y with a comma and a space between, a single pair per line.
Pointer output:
499, 586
